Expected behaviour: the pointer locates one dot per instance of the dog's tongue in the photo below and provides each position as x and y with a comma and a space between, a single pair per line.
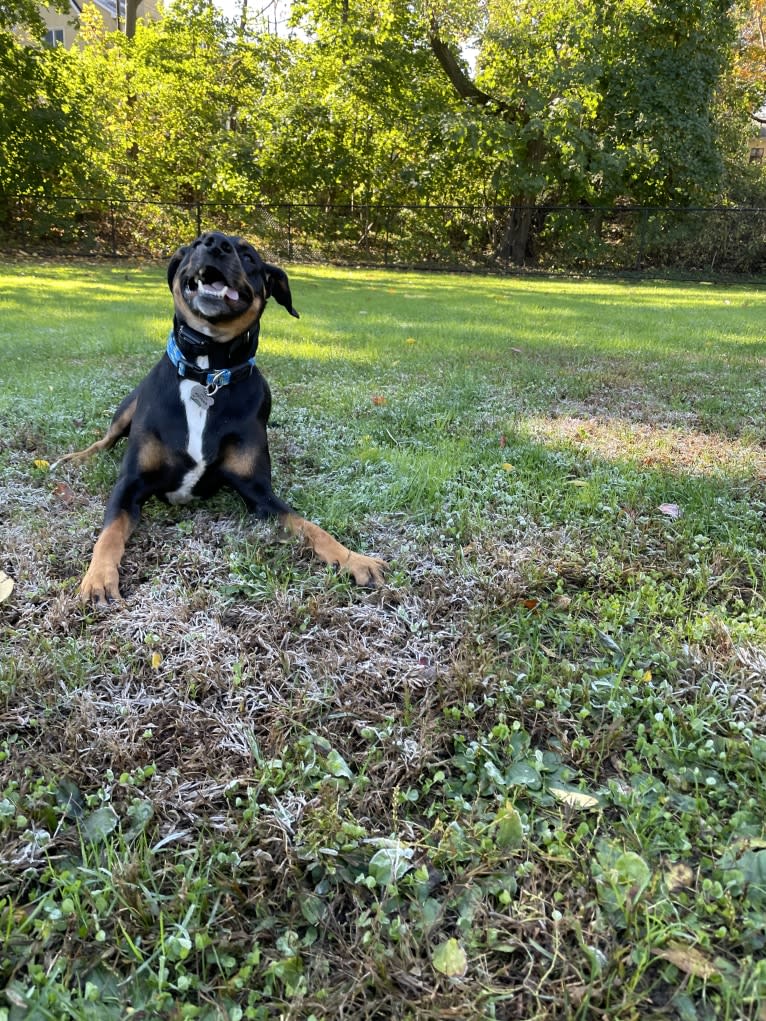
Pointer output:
219, 290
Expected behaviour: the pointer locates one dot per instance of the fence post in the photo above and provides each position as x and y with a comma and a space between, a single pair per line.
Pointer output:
198, 208
289, 231
642, 238
113, 229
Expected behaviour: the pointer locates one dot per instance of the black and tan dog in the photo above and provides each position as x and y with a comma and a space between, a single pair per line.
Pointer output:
198, 421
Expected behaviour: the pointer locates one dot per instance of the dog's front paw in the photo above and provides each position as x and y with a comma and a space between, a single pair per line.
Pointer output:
100, 586
366, 571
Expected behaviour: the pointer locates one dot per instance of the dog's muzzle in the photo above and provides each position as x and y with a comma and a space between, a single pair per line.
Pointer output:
213, 291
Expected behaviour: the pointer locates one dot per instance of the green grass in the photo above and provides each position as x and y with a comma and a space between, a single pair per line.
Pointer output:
525, 780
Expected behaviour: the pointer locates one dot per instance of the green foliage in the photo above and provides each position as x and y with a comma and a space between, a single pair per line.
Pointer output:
45, 134
569, 102
24, 15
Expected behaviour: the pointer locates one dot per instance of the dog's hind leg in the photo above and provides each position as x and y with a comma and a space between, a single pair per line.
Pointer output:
119, 427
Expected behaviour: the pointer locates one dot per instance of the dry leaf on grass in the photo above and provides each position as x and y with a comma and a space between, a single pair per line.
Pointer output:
575, 799
6, 586
64, 493
689, 960
678, 877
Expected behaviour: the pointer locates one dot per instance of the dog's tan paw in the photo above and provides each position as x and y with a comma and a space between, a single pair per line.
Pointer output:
100, 586
366, 571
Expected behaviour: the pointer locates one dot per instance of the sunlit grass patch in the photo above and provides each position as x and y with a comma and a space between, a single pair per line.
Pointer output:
671, 448
524, 779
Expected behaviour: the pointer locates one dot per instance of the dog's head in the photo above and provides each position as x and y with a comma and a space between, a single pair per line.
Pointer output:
220, 285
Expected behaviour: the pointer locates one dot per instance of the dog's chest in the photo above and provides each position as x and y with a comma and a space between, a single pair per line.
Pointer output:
197, 412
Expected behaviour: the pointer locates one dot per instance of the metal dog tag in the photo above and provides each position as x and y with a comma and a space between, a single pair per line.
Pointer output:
201, 397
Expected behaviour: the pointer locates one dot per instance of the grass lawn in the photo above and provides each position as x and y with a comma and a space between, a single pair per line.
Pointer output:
525, 780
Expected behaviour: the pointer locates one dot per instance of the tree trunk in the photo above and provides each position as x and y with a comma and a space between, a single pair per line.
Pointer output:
516, 245
131, 11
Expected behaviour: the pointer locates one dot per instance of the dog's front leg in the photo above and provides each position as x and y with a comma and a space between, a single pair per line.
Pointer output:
367, 571
101, 583
248, 470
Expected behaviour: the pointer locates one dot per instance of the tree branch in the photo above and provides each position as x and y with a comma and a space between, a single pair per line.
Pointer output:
465, 87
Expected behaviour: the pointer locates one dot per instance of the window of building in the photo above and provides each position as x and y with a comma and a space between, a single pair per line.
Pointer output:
756, 154
54, 37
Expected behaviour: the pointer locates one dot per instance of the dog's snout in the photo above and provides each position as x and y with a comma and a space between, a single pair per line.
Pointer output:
217, 245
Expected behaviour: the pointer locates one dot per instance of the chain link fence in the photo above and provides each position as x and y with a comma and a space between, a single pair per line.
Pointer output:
721, 240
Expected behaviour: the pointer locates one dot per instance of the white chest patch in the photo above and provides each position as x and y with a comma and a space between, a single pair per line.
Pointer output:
196, 417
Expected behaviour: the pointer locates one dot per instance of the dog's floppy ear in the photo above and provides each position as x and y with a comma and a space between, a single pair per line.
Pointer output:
278, 288
175, 262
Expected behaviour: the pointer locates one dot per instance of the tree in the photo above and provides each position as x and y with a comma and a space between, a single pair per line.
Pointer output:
357, 105
591, 100
44, 136
24, 15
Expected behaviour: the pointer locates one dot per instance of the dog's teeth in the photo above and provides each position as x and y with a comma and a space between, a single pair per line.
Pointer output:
217, 289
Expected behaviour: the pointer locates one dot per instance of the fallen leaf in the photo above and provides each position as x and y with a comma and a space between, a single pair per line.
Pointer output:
670, 510
503, 440
450, 959
377, 399
577, 993
678, 877
530, 604
580, 483
410, 340
575, 799
689, 960
42, 464
156, 660
63, 493
6, 586
16, 998
748, 843
507, 467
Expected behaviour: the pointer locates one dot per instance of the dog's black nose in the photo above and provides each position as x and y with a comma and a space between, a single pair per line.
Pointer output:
218, 244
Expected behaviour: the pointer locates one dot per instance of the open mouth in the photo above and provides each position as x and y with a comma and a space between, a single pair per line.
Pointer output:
209, 282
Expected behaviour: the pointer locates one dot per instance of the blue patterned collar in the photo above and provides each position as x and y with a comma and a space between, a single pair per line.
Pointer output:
210, 377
